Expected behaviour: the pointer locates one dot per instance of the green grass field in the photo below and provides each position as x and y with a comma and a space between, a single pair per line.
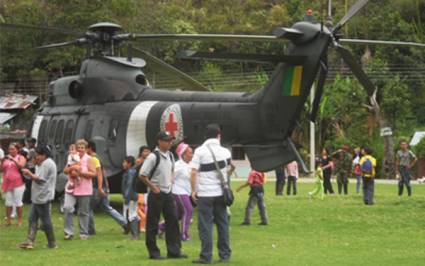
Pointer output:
339, 230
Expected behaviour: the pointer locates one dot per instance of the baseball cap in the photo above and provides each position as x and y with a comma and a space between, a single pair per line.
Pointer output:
164, 135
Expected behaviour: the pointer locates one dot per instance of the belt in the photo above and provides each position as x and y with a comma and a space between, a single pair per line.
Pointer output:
211, 166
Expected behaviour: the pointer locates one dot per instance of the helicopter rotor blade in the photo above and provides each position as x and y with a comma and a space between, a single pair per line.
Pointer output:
211, 37
162, 67
356, 69
352, 12
42, 28
360, 41
257, 58
62, 44
323, 71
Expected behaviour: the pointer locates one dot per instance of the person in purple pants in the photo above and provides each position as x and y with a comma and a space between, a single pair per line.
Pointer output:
182, 190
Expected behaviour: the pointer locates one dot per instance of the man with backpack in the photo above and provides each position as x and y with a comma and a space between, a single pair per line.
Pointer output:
157, 174
368, 168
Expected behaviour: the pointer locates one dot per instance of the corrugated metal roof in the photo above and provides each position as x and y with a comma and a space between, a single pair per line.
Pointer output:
16, 101
417, 138
4, 117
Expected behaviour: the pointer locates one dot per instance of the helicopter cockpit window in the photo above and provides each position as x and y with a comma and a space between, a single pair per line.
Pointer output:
141, 79
67, 135
59, 134
113, 129
52, 129
42, 133
89, 129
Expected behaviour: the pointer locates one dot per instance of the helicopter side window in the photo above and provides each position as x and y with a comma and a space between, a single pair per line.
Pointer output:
59, 134
113, 129
42, 133
89, 129
52, 129
67, 135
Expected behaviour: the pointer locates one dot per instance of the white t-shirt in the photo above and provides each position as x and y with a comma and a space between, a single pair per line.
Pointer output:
181, 184
209, 184
1, 153
73, 159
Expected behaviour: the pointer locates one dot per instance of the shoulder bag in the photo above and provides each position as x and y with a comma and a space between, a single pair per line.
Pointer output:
227, 191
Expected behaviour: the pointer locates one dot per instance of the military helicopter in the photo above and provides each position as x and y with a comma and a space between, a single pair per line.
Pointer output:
111, 101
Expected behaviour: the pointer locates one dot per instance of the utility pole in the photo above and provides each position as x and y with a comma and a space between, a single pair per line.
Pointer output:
330, 8
312, 135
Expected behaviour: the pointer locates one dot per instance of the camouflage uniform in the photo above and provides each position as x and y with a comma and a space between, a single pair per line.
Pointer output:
343, 170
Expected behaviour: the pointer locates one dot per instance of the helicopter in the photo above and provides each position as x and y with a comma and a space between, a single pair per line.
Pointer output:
112, 103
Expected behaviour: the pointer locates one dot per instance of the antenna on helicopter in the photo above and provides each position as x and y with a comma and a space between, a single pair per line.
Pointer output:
129, 52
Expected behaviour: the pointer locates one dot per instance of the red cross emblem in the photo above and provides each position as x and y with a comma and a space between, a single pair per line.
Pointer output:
171, 126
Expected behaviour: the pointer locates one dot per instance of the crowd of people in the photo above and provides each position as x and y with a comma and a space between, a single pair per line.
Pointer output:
173, 187
344, 164
155, 183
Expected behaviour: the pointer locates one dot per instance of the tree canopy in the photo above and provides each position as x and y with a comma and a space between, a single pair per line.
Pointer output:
398, 71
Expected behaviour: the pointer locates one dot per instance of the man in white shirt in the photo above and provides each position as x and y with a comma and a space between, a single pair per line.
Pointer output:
208, 193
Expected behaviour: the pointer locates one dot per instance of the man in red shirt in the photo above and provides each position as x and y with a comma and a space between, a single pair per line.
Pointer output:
256, 196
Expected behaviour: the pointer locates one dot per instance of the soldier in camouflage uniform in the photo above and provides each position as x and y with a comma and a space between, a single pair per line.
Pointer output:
343, 166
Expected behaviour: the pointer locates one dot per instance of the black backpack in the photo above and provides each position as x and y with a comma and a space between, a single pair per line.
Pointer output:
138, 184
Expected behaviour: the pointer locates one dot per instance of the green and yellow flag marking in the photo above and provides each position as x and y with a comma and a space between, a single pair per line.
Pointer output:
292, 81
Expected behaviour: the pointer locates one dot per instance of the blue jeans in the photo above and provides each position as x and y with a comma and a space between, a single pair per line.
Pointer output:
103, 202
83, 213
405, 180
213, 210
359, 183
40, 212
368, 190
256, 199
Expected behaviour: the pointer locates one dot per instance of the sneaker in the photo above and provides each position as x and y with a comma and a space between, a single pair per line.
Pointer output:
245, 223
201, 261
179, 256
126, 229
262, 223
84, 237
227, 260
157, 257
52, 246
26, 245
68, 237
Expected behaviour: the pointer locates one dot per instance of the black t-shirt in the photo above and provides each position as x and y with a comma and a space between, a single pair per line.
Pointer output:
325, 161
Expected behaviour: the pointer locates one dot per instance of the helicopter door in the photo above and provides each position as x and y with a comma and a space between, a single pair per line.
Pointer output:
59, 149
50, 136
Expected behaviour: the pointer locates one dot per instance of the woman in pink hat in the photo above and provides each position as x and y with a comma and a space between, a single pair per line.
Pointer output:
182, 189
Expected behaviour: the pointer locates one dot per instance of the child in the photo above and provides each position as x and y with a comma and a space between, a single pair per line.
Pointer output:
357, 168
318, 182
291, 171
73, 160
130, 196
141, 211
256, 196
